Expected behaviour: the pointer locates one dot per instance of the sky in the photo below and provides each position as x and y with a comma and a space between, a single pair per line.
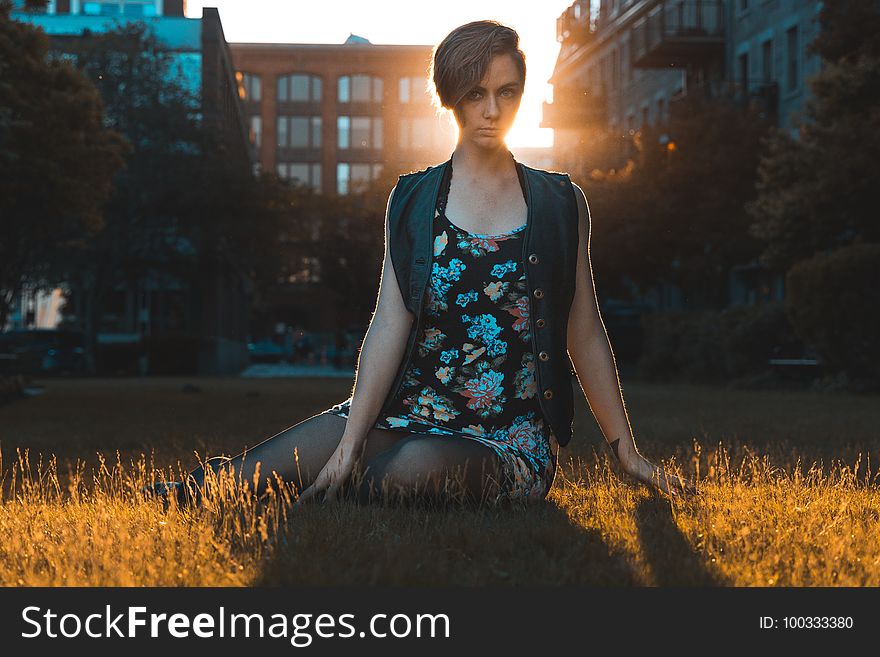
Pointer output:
406, 22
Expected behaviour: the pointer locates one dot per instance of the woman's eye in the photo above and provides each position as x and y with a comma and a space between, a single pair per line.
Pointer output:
475, 94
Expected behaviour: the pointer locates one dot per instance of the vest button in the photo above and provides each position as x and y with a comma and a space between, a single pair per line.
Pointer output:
544, 355
539, 293
533, 258
548, 394
540, 323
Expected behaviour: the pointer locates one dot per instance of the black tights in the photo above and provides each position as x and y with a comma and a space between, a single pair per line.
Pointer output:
393, 466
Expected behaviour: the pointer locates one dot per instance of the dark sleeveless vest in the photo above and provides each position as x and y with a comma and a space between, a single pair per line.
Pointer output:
550, 253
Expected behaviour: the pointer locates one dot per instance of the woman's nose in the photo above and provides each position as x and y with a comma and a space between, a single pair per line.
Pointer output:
491, 108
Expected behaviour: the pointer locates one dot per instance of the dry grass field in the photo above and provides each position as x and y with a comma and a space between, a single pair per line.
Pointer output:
788, 496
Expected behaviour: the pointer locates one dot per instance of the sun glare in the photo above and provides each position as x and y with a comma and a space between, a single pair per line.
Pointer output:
392, 22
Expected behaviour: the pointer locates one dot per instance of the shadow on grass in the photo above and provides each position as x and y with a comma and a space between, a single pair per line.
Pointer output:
670, 556
344, 544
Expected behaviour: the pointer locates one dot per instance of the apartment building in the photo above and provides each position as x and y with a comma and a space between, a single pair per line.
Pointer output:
767, 58
622, 62
335, 116
213, 310
130, 9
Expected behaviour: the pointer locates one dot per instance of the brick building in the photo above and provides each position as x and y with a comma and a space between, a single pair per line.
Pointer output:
333, 116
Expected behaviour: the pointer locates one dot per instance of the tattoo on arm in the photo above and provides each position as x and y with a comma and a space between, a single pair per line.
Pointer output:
614, 447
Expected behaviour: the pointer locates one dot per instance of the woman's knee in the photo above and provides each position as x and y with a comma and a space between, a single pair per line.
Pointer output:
429, 467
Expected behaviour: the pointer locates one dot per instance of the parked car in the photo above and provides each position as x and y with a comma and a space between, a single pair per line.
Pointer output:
42, 352
266, 351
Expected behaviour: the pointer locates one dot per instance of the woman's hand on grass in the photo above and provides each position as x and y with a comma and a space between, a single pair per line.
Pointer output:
641, 469
334, 473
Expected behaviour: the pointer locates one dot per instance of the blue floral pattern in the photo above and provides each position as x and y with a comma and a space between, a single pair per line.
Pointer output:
473, 373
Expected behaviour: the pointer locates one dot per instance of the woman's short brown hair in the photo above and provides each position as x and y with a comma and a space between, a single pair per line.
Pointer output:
461, 60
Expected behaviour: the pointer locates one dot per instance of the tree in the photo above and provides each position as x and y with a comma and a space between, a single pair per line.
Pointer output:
57, 160
817, 192
183, 209
142, 232
334, 244
675, 211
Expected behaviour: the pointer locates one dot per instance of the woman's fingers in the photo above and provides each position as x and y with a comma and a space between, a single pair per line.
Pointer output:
669, 483
306, 495
326, 481
676, 486
332, 494
320, 483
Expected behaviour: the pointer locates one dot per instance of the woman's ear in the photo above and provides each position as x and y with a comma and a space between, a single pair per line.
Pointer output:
459, 115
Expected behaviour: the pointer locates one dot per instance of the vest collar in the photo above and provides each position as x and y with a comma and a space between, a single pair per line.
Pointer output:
522, 171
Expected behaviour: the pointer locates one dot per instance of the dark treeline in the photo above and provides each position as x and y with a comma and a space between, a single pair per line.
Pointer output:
736, 189
107, 175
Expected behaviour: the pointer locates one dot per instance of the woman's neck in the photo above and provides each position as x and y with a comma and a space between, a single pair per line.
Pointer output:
472, 163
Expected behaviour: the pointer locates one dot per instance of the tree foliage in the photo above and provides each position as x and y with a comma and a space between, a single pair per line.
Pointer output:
817, 192
57, 159
184, 208
675, 212
826, 303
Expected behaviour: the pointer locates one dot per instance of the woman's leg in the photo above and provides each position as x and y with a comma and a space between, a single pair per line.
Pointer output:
437, 470
314, 440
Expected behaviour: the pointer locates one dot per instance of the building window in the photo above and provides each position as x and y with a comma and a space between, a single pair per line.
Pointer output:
744, 73
791, 40
359, 132
614, 71
255, 131
360, 89
308, 173
646, 115
412, 89
661, 109
138, 9
298, 88
299, 131
128, 8
767, 61
417, 133
352, 177
249, 86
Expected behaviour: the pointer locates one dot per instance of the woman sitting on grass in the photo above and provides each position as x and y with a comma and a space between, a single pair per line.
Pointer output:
463, 388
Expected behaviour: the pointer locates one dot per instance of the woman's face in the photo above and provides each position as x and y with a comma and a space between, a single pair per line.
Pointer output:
487, 111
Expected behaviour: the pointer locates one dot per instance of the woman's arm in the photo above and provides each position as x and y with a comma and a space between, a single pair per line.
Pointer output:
596, 369
379, 358
381, 352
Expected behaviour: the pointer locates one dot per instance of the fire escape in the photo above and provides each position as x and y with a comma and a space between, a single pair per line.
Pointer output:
682, 33
576, 105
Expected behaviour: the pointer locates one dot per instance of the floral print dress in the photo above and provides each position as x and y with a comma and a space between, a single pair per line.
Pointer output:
472, 373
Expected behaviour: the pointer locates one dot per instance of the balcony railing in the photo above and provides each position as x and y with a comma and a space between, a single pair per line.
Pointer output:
678, 32
762, 98
575, 110
574, 25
